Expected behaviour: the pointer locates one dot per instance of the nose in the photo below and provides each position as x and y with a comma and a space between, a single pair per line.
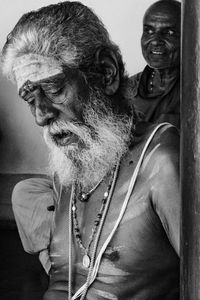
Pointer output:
44, 111
157, 40
44, 114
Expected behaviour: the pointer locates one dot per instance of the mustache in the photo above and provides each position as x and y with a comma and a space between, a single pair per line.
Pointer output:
59, 129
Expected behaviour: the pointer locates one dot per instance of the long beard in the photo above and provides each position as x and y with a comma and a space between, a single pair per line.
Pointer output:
102, 142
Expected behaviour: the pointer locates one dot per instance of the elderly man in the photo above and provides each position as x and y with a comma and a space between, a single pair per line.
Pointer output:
112, 231
156, 90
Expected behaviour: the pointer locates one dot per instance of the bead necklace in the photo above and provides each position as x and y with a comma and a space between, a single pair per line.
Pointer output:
86, 258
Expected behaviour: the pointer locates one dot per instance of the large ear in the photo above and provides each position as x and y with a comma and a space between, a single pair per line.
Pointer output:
107, 64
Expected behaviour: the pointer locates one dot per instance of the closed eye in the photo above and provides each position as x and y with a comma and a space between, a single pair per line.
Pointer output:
53, 86
53, 89
57, 96
53, 92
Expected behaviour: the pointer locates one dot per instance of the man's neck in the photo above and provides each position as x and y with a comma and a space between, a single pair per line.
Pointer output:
161, 79
166, 75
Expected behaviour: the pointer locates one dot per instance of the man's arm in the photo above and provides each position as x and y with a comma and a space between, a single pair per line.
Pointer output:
165, 190
160, 170
31, 200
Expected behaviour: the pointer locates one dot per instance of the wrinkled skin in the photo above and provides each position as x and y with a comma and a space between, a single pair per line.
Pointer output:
161, 36
59, 97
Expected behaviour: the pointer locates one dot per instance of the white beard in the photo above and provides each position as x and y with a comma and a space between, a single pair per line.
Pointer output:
88, 164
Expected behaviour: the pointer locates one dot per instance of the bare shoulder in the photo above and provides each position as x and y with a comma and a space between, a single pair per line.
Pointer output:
167, 137
162, 155
162, 150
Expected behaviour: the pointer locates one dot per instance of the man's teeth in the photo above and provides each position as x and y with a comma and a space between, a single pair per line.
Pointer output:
157, 52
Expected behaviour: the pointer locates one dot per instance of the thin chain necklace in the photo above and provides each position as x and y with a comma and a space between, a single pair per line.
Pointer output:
86, 257
83, 197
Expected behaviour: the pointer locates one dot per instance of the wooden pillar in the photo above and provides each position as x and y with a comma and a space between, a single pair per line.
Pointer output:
190, 151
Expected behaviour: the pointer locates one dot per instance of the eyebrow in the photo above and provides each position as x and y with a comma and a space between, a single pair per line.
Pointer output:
50, 79
172, 27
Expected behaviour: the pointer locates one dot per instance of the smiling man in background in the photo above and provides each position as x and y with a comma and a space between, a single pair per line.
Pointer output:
156, 90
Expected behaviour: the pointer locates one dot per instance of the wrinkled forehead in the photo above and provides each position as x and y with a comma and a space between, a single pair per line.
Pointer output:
164, 13
34, 67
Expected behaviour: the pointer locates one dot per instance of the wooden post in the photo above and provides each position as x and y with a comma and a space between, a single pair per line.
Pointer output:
190, 151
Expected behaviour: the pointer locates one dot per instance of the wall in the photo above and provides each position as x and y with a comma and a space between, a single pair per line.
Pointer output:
22, 149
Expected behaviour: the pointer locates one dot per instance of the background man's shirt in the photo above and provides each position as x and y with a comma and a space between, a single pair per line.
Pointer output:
163, 107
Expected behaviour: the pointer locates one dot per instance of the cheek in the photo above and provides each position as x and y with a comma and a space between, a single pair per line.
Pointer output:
175, 52
83, 90
144, 44
173, 44
77, 98
81, 96
73, 109
77, 108
144, 51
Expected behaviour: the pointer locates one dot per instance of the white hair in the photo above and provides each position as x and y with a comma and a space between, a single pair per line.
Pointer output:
103, 148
